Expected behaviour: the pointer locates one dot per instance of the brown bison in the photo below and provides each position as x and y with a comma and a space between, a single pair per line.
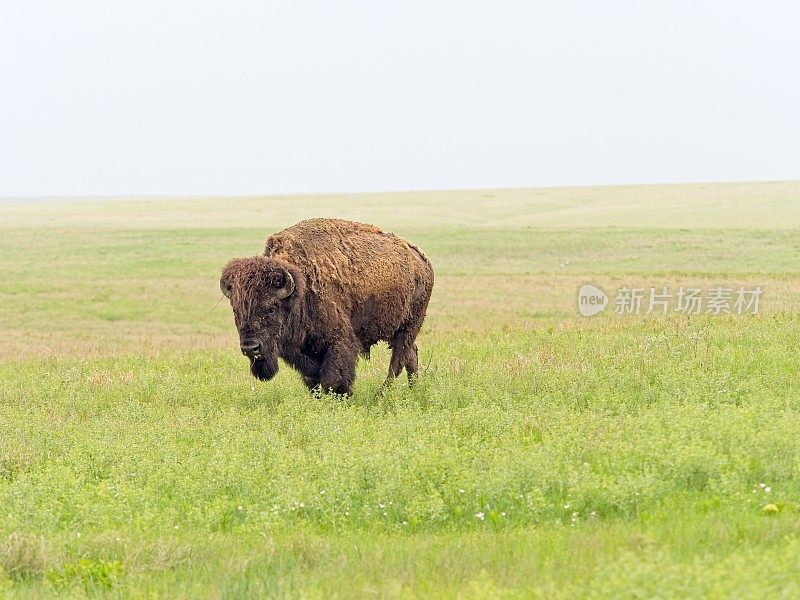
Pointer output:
325, 291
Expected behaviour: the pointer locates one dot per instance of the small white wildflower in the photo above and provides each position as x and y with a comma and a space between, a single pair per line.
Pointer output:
405, 522
322, 492
461, 490
239, 508
384, 514
593, 514
302, 505
575, 514
762, 485
767, 489
176, 526
79, 534
566, 505
480, 515
381, 505
502, 514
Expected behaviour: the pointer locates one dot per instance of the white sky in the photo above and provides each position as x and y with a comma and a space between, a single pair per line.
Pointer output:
247, 96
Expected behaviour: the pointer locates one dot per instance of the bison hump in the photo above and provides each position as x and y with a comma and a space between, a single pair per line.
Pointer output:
346, 258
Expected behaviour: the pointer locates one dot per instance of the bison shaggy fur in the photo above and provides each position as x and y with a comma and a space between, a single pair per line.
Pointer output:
325, 291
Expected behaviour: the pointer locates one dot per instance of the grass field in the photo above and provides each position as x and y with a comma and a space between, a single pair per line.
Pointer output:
543, 454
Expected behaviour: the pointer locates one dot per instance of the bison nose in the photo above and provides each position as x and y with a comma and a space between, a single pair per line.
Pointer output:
251, 348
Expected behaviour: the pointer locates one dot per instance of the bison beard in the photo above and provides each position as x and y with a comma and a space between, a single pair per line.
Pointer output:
323, 293
264, 367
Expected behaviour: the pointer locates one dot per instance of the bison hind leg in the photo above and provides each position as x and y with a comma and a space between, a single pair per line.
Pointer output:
403, 342
404, 355
412, 364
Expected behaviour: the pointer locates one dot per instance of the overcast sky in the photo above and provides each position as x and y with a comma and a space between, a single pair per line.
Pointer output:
260, 96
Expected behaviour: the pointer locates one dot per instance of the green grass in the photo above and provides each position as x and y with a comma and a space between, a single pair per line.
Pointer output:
541, 455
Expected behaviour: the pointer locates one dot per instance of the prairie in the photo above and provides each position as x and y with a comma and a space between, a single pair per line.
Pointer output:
543, 454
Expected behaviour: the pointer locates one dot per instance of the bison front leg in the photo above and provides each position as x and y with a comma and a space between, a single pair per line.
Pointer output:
308, 367
339, 369
312, 383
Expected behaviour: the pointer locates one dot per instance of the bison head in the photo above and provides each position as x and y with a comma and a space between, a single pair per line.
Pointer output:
262, 292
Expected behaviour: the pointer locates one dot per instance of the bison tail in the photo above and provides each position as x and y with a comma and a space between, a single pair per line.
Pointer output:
422, 255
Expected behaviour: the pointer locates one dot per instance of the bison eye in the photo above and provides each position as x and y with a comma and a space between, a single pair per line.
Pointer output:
271, 310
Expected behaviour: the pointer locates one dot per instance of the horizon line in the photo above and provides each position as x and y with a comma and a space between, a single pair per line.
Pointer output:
187, 196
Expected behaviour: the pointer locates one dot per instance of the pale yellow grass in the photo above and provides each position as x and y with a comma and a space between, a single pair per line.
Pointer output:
749, 205
481, 303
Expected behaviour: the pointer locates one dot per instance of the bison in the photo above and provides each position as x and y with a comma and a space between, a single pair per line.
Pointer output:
325, 291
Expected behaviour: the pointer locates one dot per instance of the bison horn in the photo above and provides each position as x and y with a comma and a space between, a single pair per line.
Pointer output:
226, 290
287, 289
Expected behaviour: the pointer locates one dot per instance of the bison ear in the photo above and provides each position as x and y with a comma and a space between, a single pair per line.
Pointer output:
225, 288
287, 288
